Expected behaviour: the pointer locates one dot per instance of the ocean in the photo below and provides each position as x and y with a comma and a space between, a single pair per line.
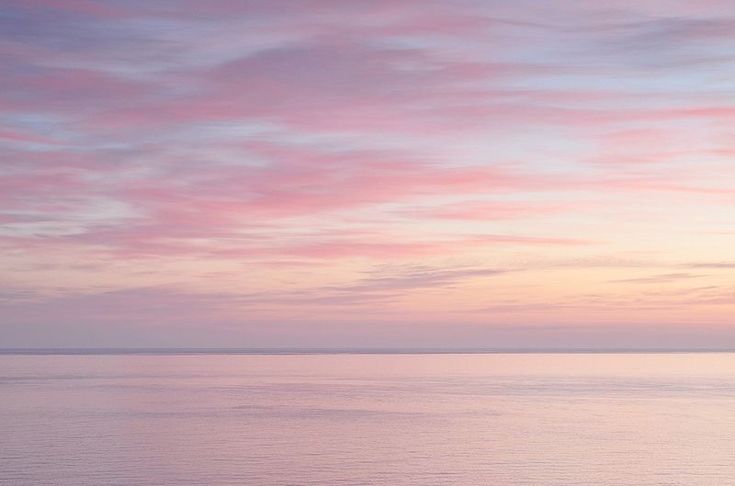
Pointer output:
368, 419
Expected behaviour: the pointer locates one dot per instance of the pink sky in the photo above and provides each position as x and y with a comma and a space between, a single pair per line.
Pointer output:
367, 173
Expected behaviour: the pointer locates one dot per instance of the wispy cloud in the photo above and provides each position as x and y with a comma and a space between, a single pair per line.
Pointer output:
659, 279
277, 154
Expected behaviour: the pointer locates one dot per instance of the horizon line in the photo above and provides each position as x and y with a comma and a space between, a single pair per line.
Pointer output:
89, 351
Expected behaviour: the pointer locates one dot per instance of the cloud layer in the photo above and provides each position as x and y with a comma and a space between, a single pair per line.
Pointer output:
314, 168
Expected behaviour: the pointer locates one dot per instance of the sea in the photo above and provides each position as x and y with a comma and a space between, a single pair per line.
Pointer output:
157, 417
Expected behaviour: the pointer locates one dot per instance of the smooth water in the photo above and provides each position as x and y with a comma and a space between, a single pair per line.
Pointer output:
495, 419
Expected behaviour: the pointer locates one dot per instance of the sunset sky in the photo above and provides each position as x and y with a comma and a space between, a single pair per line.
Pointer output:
465, 173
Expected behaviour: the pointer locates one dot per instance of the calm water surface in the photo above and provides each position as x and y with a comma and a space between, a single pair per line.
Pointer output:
519, 419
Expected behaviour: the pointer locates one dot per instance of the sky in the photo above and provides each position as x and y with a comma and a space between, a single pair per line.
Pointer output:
348, 173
